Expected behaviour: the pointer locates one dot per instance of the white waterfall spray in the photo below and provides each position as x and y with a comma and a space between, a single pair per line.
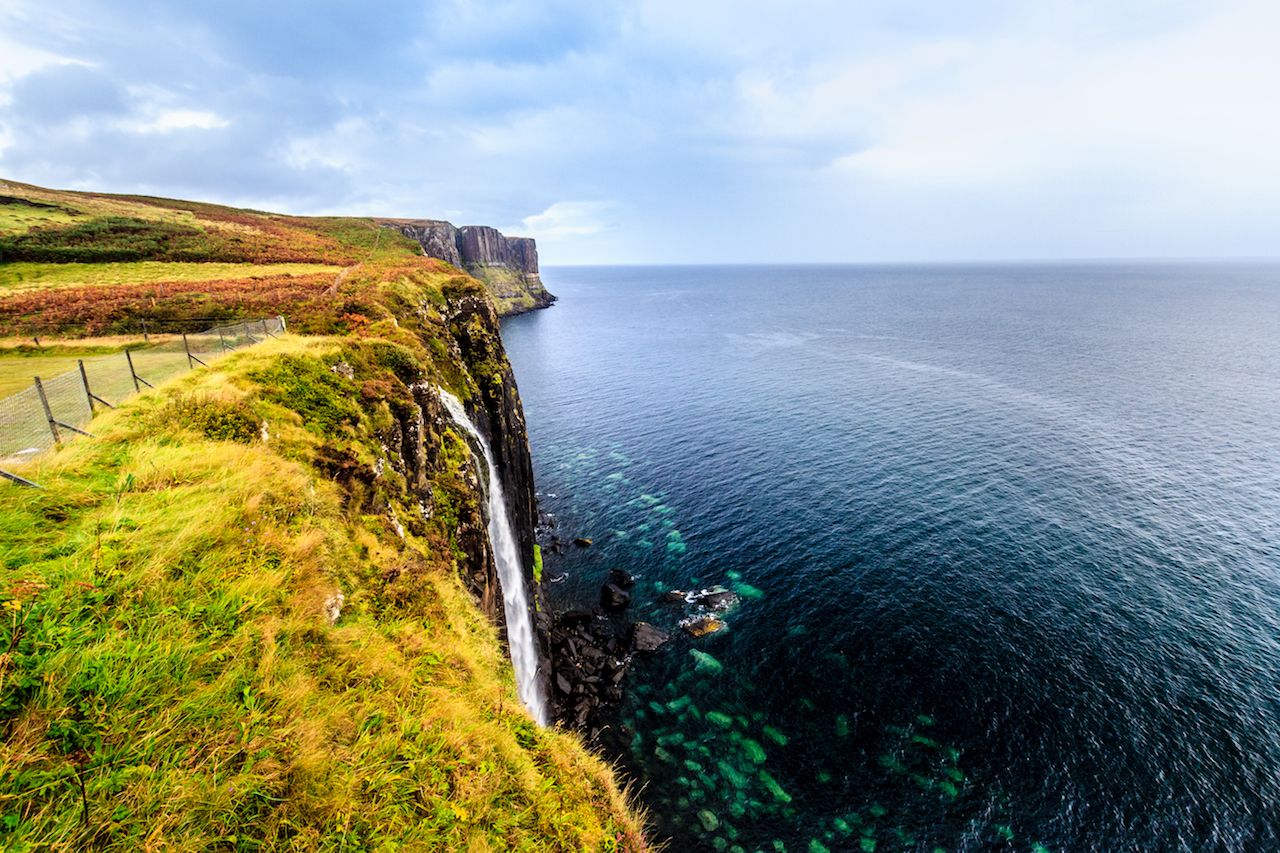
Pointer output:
506, 558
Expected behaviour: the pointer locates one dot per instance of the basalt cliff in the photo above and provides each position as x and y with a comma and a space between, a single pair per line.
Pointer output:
508, 266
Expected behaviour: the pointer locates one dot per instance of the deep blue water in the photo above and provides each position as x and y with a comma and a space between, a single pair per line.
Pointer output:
1010, 537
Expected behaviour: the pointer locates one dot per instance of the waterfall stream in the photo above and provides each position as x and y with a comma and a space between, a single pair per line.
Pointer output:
506, 557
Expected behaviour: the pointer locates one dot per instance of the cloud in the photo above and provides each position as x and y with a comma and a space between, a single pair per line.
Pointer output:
722, 130
568, 219
171, 120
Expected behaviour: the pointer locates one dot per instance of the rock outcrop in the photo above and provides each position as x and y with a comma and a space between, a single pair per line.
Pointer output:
508, 266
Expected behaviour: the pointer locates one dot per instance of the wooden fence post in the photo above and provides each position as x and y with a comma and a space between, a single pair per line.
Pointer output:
136, 378
21, 481
93, 398
48, 412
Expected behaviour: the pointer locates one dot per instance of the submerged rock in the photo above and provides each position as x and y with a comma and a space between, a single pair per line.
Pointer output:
582, 542
705, 662
774, 735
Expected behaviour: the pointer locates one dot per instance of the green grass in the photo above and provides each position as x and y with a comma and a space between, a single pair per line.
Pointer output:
17, 217
18, 371
19, 277
380, 244
173, 681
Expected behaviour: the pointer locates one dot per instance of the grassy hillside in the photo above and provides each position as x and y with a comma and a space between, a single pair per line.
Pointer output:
92, 264
237, 619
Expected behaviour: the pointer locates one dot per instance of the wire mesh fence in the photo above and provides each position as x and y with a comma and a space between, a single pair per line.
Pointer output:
57, 407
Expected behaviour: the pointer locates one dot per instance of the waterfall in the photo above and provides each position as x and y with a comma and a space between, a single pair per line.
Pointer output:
506, 558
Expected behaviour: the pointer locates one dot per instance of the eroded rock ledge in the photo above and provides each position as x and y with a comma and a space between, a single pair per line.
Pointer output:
508, 266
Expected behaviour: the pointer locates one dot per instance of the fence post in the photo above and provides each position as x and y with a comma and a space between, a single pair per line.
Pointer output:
136, 378
283, 327
192, 360
48, 412
93, 398
132, 373
222, 339
146, 337
21, 481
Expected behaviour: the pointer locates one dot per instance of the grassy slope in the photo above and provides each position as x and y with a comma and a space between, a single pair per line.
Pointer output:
169, 677
20, 277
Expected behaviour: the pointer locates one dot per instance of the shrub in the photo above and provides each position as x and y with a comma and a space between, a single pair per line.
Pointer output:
114, 238
400, 360
307, 386
216, 419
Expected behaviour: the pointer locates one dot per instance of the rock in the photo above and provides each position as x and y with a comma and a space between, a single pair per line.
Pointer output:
563, 683
622, 578
704, 662
716, 598
344, 370
507, 265
647, 638
614, 597
673, 596
702, 625
333, 607
582, 542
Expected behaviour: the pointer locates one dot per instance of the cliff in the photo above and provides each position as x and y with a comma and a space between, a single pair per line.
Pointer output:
260, 608
507, 265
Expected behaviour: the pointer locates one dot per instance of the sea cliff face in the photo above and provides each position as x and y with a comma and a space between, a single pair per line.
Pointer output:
497, 412
508, 266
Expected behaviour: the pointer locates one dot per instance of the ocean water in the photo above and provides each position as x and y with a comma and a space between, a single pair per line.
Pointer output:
1007, 540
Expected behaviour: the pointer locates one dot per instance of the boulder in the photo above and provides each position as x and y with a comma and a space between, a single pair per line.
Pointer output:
647, 638
621, 578
614, 597
702, 625
582, 542
716, 598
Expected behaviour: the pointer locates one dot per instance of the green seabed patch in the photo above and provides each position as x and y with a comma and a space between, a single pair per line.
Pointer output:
726, 777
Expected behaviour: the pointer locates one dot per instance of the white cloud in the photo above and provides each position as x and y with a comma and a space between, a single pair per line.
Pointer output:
567, 219
171, 120
1184, 109
18, 60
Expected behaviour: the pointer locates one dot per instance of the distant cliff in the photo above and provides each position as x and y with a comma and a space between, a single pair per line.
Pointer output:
507, 265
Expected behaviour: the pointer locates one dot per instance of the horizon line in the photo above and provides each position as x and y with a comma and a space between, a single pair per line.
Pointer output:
1131, 259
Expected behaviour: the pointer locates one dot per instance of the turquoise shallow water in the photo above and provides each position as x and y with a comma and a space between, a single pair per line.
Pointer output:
1007, 540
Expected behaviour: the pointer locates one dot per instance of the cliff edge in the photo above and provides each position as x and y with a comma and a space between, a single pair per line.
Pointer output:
508, 266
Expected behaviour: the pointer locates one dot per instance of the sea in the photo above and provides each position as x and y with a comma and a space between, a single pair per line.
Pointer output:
1004, 539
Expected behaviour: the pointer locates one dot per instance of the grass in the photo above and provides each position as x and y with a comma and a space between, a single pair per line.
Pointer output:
21, 277
17, 217
17, 371
172, 679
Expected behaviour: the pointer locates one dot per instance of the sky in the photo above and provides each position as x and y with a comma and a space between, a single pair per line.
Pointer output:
678, 131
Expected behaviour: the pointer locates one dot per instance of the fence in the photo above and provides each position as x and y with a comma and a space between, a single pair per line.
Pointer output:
57, 407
